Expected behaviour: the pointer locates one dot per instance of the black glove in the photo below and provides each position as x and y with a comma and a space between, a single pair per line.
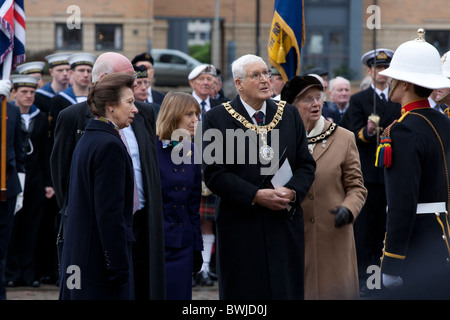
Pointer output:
342, 216
198, 261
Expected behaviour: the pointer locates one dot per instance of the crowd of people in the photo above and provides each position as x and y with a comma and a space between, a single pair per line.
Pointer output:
324, 184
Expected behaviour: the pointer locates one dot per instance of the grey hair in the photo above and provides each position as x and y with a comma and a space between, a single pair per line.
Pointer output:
237, 67
332, 81
101, 68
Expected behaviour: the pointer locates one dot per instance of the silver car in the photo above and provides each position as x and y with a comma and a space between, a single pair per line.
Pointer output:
172, 67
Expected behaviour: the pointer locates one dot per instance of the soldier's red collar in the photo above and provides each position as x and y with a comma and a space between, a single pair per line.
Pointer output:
417, 104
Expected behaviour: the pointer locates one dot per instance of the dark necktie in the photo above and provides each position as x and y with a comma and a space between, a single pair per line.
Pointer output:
203, 104
383, 97
259, 117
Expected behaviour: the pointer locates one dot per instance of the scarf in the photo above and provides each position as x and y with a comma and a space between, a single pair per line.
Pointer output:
318, 128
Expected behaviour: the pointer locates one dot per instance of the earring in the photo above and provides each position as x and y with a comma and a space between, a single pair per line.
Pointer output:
112, 110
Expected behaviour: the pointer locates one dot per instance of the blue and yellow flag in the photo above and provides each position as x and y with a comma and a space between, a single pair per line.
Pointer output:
287, 36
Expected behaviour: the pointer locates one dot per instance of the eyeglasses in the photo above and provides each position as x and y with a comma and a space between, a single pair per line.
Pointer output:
142, 82
257, 75
311, 100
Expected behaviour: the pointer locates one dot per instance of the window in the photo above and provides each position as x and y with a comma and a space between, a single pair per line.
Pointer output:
439, 38
68, 39
108, 37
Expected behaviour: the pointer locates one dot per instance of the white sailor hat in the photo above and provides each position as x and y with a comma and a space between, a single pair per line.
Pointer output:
31, 67
203, 68
24, 80
82, 58
382, 57
57, 59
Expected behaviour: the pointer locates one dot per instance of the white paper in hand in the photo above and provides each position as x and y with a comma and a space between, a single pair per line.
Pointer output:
283, 175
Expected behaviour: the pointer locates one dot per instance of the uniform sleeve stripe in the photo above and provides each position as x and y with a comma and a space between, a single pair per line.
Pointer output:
393, 255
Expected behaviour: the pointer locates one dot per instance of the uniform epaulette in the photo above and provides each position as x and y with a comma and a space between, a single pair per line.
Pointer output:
384, 150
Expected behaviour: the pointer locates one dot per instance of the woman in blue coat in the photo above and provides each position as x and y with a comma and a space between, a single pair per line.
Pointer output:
181, 190
96, 260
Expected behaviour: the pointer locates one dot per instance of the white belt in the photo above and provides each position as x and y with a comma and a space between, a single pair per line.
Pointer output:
431, 207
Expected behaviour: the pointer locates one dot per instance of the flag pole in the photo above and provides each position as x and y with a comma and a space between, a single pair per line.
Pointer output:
6, 72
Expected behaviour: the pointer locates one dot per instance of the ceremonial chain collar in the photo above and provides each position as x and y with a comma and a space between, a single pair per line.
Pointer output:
323, 135
252, 126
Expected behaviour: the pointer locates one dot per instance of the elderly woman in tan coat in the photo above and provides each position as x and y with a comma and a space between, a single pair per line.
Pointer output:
334, 200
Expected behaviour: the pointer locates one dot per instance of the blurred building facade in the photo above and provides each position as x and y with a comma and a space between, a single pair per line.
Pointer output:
337, 31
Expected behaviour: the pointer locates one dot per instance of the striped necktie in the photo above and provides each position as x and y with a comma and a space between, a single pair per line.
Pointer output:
259, 117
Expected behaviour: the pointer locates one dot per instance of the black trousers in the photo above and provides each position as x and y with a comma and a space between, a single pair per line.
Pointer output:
141, 256
369, 229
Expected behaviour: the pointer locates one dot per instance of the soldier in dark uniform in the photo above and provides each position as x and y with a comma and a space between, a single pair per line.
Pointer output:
364, 121
34, 128
15, 167
59, 71
415, 152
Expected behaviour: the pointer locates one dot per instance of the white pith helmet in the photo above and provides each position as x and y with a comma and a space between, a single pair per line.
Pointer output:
418, 62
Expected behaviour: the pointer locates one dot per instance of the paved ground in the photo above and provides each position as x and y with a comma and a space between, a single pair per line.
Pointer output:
50, 292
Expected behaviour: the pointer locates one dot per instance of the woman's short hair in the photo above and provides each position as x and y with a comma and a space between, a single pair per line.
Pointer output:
107, 91
174, 106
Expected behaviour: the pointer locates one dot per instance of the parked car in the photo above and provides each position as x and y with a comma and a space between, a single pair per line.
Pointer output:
172, 67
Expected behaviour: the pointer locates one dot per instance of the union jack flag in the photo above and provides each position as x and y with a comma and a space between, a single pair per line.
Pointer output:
12, 35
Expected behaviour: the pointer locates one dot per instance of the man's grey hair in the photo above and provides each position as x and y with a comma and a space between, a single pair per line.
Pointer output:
101, 68
238, 66
338, 78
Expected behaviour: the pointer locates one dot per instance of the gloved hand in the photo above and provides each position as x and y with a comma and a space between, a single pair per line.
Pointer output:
342, 216
198, 261
5, 88
392, 282
19, 199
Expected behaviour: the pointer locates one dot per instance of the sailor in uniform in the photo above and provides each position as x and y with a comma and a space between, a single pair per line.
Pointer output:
80, 72
33, 68
58, 66
415, 152
370, 111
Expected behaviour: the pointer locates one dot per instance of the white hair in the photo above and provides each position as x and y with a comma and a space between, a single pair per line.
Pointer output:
237, 67
100, 68
338, 78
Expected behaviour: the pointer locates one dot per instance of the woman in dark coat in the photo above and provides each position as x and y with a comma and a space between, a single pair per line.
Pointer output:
96, 260
181, 190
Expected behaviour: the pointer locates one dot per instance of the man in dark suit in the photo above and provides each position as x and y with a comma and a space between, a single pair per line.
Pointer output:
260, 244
367, 118
146, 59
15, 164
201, 80
148, 249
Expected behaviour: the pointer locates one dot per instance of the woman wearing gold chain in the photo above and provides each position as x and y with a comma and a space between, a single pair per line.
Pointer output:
334, 200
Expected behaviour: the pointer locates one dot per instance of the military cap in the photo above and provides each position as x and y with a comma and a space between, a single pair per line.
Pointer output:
275, 71
24, 80
31, 67
145, 56
82, 58
382, 57
319, 71
57, 59
297, 86
140, 71
203, 68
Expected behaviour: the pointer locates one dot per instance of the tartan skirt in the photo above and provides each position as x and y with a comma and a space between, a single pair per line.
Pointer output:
207, 206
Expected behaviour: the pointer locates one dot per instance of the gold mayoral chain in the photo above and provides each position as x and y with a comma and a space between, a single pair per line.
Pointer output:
265, 151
